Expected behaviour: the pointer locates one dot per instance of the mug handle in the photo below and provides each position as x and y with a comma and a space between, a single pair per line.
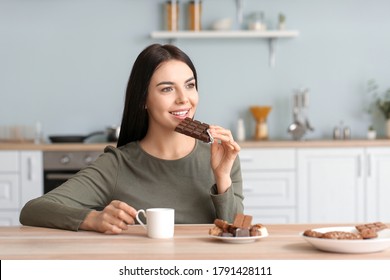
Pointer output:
139, 220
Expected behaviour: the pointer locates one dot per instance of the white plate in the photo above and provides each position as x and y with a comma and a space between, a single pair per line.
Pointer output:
382, 242
238, 240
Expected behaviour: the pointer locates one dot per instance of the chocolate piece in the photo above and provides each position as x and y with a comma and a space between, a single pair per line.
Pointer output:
242, 232
195, 129
244, 228
221, 224
242, 221
232, 229
368, 233
238, 220
377, 226
247, 221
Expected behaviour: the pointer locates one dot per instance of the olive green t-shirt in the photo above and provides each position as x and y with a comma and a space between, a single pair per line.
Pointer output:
143, 181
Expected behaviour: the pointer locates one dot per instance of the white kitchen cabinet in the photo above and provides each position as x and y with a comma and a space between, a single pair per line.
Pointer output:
21, 179
9, 190
269, 184
330, 185
378, 184
31, 175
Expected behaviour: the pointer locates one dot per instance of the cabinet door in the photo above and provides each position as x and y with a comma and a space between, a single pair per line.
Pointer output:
275, 189
267, 159
330, 185
31, 175
9, 218
9, 161
270, 197
9, 191
378, 184
272, 215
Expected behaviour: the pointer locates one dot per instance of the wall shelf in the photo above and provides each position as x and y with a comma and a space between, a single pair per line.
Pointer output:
210, 34
270, 35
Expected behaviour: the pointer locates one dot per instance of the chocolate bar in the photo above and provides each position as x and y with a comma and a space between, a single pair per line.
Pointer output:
377, 226
242, 221
195, 129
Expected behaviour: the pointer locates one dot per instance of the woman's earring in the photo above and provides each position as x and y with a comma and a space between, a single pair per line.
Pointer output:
146, 107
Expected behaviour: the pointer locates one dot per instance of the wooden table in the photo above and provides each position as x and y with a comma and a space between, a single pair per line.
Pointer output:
190, 242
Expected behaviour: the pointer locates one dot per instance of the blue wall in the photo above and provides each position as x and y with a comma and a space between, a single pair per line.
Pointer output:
66, 63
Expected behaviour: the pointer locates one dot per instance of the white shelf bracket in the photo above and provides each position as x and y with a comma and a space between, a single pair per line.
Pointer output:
239, 10
272, 49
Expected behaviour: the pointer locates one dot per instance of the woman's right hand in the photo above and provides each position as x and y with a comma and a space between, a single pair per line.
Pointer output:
113, 219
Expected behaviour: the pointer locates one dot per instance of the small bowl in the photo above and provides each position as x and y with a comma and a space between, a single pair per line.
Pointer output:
222, 24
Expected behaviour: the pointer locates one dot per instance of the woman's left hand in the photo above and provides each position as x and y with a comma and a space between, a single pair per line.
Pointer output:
224, 151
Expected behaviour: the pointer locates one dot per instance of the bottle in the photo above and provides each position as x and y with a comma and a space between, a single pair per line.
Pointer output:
240, 130
336, 133
347, 133
38, 133
194, 15
172, 15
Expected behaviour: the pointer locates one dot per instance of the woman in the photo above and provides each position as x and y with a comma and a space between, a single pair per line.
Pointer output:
152, 166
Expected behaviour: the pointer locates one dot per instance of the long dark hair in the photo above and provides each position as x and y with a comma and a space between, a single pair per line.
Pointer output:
135, 117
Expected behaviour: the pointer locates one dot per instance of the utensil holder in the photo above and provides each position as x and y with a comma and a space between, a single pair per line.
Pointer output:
260, 114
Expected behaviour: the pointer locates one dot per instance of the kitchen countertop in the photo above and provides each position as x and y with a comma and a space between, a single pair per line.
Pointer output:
55, 147
190, 242
247, 144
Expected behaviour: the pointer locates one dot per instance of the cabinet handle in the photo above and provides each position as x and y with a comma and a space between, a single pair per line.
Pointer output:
368, 166
29, 169
359, 166
246, 159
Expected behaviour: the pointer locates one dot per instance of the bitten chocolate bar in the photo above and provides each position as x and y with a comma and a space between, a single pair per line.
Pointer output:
195, 129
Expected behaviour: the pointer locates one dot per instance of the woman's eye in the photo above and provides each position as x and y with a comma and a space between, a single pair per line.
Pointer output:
167, 89
190, 85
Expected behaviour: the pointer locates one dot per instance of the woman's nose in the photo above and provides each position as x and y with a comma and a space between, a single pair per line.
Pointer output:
181, 97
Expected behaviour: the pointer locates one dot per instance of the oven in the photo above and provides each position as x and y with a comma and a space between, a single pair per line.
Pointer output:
59, 166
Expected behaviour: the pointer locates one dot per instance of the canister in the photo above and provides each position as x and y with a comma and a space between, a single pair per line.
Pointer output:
195, 15
172, 15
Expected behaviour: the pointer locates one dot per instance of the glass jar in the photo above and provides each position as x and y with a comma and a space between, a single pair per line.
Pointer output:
194, 15
256, 21
172, 15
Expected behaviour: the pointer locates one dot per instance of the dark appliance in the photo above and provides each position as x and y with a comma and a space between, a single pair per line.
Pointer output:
59, 166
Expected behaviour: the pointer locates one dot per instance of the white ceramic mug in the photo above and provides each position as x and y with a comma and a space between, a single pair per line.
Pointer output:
160, 222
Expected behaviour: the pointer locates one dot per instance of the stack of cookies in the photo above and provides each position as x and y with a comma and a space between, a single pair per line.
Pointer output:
241, 227
365, 231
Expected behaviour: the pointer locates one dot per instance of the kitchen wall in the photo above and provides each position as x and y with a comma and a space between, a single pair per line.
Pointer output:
66, 63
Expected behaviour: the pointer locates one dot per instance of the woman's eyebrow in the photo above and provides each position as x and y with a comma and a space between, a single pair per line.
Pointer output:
189, 80
164, 83
171, 83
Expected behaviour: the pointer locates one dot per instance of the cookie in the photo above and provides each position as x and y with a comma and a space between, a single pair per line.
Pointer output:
216, 231
341, 235
222, 224
258, 230
312, 233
